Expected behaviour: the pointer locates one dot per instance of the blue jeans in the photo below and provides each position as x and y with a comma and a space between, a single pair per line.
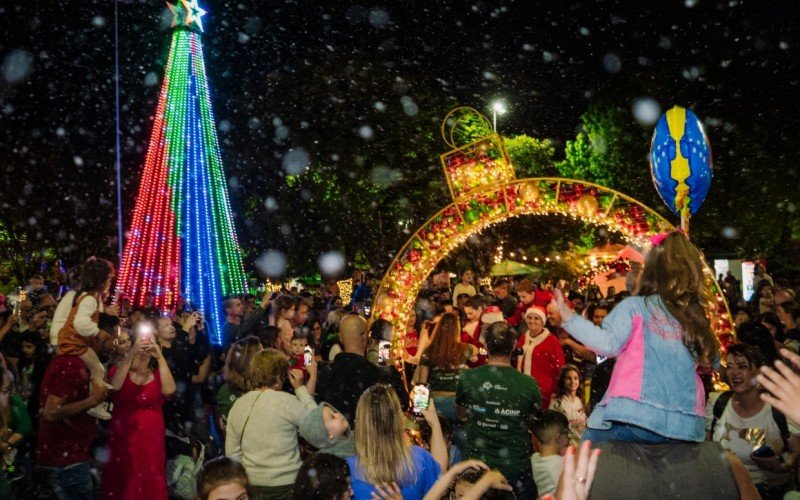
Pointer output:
73, 482
523, 484
625, 432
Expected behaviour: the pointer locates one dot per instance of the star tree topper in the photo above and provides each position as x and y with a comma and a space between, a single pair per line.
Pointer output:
187, 13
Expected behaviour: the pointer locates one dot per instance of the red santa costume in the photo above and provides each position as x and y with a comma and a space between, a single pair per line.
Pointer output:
473, 334
542, 357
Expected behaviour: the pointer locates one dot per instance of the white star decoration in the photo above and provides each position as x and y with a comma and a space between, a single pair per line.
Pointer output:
187, 13
195, 13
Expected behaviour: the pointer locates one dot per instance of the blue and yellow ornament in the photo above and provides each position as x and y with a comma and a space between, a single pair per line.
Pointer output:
680, 162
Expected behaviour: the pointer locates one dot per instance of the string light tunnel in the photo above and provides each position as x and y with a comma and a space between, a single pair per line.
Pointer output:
182, 244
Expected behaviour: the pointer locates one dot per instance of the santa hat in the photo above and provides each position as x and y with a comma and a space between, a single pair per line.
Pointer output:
539, 311
491, 314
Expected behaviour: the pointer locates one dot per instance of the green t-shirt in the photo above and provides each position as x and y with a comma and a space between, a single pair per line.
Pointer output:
444, 379
226, 396
500, 401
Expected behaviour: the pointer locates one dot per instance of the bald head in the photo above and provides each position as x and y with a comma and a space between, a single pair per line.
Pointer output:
353, 333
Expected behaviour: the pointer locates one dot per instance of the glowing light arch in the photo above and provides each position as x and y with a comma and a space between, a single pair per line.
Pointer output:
485, 192
539, 196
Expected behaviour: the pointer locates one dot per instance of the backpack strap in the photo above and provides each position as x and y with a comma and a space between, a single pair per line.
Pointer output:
783, 426
719, 408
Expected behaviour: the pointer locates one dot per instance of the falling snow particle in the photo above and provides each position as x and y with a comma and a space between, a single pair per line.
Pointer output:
366, 132
612, 63
16, 66
150, 79
646, 110
410, 108
296, 161
730, 232
378, 18
331, 263
271, 263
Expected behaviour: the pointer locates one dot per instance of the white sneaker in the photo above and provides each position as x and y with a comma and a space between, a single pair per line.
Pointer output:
100, 411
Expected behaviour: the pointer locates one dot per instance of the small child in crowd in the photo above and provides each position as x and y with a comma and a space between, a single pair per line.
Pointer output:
568, 401
551, 430
82, 324
661, 338
326, 429
222, 478
299, 343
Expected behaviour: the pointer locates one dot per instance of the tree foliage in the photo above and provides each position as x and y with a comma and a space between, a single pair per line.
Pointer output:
531, 156
610, 150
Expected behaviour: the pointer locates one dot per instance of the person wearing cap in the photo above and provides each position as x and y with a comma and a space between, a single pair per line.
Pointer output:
542, 356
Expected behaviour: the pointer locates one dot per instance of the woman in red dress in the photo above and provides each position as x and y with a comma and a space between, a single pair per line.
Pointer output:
136, 467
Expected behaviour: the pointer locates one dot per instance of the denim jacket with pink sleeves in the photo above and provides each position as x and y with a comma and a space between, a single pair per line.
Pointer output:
655, 384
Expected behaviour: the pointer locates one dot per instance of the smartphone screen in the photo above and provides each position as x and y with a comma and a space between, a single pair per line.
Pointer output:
145, 331
308, 356
420, 398
384, 353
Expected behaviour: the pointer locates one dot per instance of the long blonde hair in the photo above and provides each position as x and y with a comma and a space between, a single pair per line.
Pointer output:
673, 270
383, 453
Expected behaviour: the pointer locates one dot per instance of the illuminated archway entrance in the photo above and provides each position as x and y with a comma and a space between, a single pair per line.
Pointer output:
486, 192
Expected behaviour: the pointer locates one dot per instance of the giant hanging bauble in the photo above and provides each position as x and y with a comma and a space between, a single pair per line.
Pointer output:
529, 192
680, 160
586, 205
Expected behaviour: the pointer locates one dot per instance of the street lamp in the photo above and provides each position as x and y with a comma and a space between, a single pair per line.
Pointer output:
498, 108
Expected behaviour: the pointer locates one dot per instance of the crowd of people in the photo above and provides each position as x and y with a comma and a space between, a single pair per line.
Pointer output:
303, 400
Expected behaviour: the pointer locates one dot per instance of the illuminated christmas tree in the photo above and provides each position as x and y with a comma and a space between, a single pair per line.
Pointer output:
182, 242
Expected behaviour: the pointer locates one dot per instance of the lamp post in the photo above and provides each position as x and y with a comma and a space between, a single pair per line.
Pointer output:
498, 108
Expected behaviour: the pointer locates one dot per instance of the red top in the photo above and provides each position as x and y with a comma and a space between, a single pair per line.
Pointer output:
542, 297
298, 363
474, 339
412, 342
519, 313
68, 441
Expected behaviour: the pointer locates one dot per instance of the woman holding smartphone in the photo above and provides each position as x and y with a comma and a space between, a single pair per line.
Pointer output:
383, 454
137, 460
442, 362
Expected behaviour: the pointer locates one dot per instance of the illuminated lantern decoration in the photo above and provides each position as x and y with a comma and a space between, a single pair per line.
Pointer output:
680, 161
182, 242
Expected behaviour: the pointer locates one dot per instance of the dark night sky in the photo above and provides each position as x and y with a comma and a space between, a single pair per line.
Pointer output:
734, 62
